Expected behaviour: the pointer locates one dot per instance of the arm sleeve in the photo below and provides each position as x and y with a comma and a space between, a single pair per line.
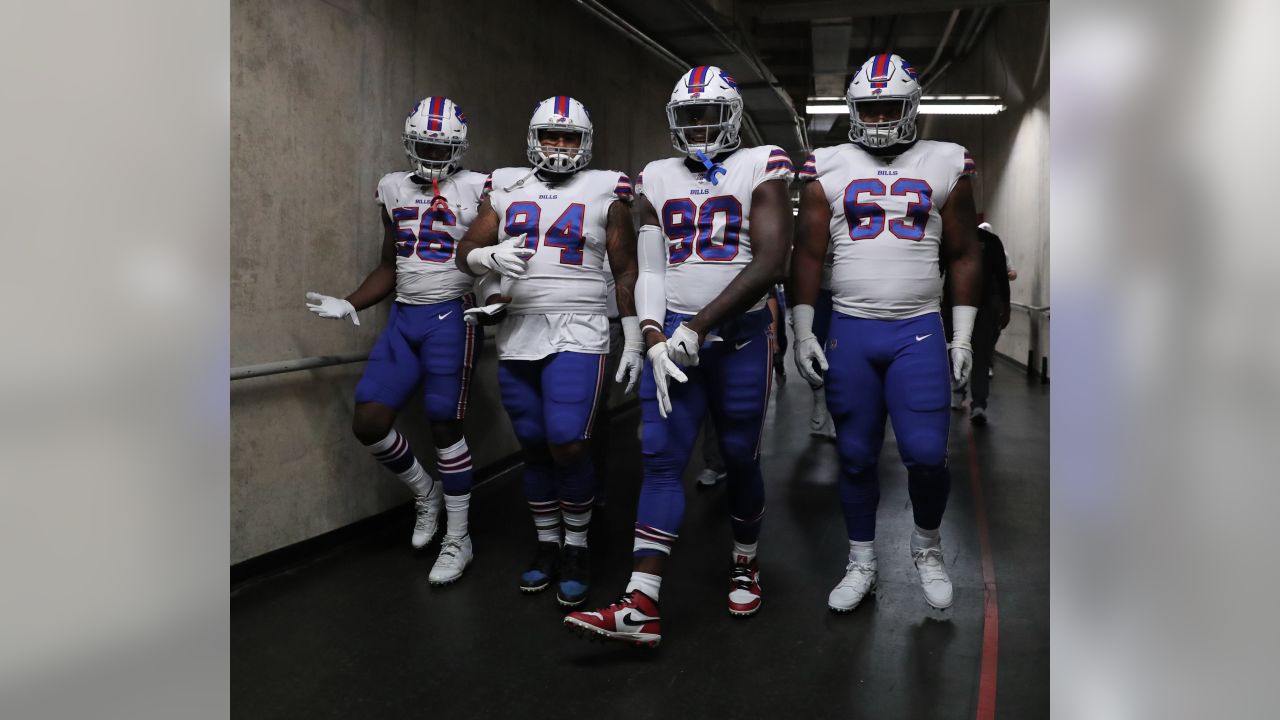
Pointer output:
651, 290
777, 166
808, 171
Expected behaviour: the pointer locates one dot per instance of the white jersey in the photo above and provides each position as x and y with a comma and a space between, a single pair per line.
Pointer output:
425, 242
708, 227
885, 260
561, 305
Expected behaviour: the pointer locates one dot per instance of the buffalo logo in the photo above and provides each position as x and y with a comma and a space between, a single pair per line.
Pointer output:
728, 80
911, 72
458, 112
414, 109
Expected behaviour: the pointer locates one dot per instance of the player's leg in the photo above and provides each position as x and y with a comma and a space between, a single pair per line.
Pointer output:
820, 423
389, 379
448, 352
985, 330
572, 386
601, 432
740, 375
666, 445
855, 395
713, 463
917, 387
520, 382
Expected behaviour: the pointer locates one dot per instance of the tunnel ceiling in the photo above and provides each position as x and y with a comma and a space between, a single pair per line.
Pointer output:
782, 53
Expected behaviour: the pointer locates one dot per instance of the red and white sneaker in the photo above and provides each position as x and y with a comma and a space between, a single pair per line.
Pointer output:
744, 587
632, 619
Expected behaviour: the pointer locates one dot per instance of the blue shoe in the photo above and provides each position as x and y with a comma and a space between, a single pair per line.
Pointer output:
574, 575
542, 570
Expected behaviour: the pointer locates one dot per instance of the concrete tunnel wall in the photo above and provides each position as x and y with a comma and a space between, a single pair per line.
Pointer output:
1012, 153
319, 96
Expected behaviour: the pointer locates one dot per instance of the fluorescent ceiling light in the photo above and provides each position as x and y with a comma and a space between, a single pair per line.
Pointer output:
925, 109
955, 109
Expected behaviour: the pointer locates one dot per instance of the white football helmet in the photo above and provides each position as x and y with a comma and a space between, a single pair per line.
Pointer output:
564, 114
705, 102
435, 137
884, 77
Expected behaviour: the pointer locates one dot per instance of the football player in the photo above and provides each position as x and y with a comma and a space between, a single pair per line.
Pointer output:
424, 212
892, 208
546, 230
716, 229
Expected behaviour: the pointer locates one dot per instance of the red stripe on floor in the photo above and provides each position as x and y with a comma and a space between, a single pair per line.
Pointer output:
991, 610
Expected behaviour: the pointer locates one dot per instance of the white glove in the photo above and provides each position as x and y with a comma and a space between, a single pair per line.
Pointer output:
684, 346
632, 361
508, 260
331, 307
962, 319
664, 369
808, 350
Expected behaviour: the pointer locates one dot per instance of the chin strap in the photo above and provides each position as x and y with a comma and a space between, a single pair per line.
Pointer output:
439, 205
714, 170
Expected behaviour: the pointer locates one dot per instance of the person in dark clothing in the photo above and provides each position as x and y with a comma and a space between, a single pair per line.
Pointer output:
993, 316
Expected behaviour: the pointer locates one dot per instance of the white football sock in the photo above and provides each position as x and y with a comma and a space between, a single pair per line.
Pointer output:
647, 583
456, 508
926, 538
747, 551
862, 552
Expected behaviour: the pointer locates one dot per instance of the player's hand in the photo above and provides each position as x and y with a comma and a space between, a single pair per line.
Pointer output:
491, 313
683, 346
811, 361
961, 363
507, 260
632, 362
331, 307
629, 368
664, 370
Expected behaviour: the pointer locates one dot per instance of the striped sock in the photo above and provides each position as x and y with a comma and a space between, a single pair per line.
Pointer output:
577, 518
546, 519
394, 453
652, 541
454, 464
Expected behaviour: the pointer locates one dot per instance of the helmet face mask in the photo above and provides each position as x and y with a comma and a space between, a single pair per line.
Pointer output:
705, 113
551, 142
435, 137
883, 100
709, 126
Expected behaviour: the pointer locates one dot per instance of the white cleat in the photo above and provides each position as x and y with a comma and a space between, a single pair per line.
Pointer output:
709, 477
859, 580
455, 556
933, 575
428, 517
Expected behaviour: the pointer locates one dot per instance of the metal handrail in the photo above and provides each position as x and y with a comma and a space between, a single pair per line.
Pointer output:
288, 366
1030, 308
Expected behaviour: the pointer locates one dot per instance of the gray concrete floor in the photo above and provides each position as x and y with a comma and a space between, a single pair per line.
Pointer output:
359, 633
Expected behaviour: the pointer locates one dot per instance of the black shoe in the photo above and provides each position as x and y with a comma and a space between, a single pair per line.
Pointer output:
543, 569
575, 575
978, 416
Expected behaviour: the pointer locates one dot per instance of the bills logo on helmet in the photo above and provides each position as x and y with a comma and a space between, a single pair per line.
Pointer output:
728, 80
457, 111
911, 72
413, 109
